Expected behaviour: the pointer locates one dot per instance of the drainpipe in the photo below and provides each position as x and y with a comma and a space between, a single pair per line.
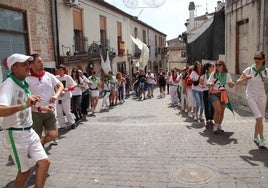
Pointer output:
261, 32
55, 30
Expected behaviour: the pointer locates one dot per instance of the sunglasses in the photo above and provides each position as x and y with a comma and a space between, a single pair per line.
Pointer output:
218, 65
257, 58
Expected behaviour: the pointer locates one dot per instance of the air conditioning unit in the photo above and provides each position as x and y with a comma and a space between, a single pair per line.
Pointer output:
75, 2
72, 3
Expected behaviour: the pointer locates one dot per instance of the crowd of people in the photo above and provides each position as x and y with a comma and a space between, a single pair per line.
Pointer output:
202, 90
33, 100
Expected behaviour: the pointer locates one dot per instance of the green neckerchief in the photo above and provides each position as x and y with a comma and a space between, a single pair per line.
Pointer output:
107, 83
94, 79
23, 84
221, 77
207, 75
258, 71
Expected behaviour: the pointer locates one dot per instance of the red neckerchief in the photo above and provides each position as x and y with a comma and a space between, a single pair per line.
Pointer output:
39, 76
174, 77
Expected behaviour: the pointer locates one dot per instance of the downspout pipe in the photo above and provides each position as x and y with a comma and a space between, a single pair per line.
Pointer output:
261, 32
55, 30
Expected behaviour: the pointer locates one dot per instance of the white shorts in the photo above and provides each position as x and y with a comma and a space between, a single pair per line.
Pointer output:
95, 93
257, 105
21, 144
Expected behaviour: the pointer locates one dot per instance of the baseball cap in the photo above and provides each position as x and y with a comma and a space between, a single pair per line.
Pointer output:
11, 60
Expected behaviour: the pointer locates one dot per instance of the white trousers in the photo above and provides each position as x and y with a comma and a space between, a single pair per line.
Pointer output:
173, 90
105, 99
64, 109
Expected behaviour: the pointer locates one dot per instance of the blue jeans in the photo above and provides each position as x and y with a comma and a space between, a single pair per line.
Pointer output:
198, 96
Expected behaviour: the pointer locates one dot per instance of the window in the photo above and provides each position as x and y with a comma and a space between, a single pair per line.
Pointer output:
13, 33
137, 51
135, 32
156, 47
183, 54
121, 66
119, 37
103, 31
144, 36
78, 31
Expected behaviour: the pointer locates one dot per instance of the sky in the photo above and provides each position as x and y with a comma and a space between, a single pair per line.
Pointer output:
168, 18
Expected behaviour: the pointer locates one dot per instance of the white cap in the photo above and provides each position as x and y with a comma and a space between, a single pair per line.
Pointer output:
20, 58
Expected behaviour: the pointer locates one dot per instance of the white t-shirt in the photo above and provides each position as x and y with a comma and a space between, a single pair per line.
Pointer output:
43, 87
95, 82
150, 78
107, 85
194, 76
12, 94
77, 90
174, 82
255, 85
85, 83
67, 82
217, 84
205, 78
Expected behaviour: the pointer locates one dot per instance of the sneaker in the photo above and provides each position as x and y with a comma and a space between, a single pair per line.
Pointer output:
208, 125
56, 141
189, 114
84, 119
262, 144
220, 129
256, 140
215, 129
73, 126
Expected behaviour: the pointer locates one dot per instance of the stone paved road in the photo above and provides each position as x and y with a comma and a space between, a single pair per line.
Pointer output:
150, 144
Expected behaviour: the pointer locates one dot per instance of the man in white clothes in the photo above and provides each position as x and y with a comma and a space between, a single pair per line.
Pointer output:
16, 102
64, 101
49, 88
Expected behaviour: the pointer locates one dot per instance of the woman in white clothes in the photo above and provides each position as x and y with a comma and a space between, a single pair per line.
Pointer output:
173, 87
106, 85
150, 83
218, 81
197, 91
190, 102
77, 95
94, 83
181, 88
255, 75
85, 95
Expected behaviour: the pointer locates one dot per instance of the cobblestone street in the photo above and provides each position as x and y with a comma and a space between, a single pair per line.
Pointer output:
150, 144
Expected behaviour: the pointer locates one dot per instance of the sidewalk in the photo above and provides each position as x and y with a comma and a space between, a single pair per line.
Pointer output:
150, 144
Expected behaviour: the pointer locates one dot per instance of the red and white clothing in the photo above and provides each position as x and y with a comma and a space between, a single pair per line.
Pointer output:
43, 86
64, 102
173, 88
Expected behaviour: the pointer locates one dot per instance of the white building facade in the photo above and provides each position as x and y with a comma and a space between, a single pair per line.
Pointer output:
90, 27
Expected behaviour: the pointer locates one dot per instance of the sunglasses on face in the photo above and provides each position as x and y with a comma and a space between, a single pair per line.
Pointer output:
257, 58
217, 65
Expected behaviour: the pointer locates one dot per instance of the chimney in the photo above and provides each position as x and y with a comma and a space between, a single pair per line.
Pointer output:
191, 15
